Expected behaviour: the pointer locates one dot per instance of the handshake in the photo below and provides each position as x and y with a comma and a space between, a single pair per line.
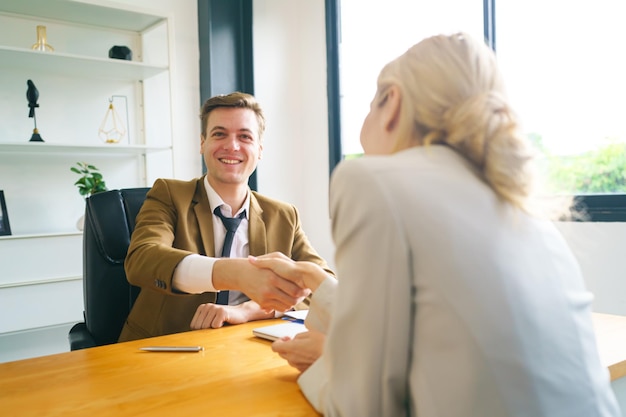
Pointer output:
275, 281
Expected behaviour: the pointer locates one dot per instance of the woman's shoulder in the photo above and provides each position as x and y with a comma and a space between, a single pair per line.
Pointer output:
372, 167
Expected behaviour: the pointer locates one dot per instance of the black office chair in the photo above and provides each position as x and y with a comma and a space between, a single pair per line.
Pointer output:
108, 297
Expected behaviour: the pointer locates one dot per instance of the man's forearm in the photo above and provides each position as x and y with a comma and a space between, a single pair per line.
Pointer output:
227, 274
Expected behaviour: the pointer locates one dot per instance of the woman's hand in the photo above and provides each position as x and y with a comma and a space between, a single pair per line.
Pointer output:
301, 351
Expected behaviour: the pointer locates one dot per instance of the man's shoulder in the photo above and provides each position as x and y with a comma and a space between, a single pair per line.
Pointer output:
268, 203
175, 186
174, 183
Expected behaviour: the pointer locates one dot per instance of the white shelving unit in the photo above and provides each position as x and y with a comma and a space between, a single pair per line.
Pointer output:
62, 148
41, 262
76, 65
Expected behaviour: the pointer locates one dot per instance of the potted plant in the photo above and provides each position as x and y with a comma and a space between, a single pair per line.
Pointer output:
91, 181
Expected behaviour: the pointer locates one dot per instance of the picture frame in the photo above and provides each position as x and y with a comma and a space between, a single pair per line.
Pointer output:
5, 226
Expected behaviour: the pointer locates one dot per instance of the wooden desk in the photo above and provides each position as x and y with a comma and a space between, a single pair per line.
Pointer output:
611, 338
237, 374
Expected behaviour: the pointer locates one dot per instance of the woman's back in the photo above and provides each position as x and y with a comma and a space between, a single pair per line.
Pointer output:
468, 306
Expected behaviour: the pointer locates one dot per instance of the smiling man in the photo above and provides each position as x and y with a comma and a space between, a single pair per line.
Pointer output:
178, 254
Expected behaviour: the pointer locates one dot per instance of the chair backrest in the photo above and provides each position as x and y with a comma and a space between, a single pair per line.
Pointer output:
108, 297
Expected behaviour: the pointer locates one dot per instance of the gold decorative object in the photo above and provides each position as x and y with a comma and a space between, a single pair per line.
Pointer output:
112, 129
42, 41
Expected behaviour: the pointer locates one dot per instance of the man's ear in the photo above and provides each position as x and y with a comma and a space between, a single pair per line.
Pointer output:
260, 151
391, 105
202, 139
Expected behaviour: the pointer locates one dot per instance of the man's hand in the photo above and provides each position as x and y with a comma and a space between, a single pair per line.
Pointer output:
301, 351
215, 315
264, 286
303, 274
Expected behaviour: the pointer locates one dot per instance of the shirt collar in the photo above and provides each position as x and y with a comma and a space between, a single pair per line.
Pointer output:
215, 200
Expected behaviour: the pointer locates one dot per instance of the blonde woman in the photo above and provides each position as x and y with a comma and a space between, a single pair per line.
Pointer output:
459, 298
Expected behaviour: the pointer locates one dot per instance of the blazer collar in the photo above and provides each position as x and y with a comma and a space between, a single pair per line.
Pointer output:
257, 236
204, 215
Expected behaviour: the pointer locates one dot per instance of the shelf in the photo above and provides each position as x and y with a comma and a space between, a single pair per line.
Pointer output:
76, 65
56, 148
40, 235
88, 12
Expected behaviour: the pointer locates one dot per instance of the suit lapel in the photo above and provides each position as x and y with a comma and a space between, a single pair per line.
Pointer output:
202, 209
256, 229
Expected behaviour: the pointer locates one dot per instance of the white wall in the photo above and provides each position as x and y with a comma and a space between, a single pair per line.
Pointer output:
599, 248
290, 84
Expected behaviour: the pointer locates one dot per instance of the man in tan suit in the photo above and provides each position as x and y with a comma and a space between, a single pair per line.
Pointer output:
174, 253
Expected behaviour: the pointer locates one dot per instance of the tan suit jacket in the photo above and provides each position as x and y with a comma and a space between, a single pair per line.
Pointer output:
176, 221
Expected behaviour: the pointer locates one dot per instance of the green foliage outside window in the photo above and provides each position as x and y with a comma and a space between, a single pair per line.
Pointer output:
352, 156
598, 171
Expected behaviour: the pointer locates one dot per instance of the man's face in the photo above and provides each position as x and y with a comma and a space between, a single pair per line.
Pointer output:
230, 146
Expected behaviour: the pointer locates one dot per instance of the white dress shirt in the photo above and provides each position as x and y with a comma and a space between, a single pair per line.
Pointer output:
450, 303
194, 274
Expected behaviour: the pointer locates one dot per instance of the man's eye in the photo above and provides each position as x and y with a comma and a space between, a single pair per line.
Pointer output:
218, 134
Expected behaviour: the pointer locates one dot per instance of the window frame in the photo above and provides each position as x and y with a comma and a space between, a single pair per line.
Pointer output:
598, 207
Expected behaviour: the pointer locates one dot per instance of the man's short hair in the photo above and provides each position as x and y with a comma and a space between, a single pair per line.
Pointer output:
232, 100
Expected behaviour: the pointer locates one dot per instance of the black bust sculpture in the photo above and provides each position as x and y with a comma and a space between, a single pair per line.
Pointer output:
32, 95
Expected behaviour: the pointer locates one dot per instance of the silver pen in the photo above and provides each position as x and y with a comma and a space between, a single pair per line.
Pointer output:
172, 348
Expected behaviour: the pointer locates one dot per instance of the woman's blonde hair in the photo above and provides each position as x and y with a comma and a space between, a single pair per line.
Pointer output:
453, 94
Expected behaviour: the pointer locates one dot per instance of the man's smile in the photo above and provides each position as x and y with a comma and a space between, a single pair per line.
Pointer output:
229, 161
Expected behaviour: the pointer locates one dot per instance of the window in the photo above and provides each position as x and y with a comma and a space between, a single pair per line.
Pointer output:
564, 68
373, 33
562, 65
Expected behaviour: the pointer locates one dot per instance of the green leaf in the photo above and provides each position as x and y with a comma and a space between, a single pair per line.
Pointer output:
91, 181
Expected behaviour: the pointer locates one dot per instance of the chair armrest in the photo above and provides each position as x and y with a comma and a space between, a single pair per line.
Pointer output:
80, 337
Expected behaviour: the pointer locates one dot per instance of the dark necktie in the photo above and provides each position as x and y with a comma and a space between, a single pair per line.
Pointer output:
231, 224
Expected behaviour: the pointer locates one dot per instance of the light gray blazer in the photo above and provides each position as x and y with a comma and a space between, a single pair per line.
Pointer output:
452, 303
